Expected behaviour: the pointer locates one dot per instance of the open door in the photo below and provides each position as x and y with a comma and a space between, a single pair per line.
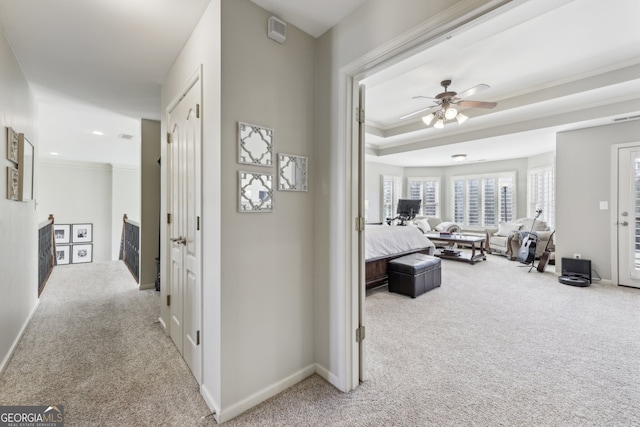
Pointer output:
361, 214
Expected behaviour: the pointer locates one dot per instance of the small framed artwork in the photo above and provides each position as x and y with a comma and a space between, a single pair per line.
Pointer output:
62, 233
12, 145
82, 233
82, 253
13, 183
255, 145
63, 254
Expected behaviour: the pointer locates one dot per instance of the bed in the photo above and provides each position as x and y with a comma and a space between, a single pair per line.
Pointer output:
384, 243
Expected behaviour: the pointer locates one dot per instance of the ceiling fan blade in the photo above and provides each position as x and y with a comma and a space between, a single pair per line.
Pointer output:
471, 91
477, 104
418, 112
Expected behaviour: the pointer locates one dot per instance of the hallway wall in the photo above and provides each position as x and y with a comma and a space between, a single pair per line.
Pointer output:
18, 220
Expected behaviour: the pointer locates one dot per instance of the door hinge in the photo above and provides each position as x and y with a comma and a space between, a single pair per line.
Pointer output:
197, 337
360, 334
168, 218
360, 115
168, 299
197, 111
169, 138
198, 223
359, 223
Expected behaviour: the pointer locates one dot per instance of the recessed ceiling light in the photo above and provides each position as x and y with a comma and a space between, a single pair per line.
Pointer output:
97, 132
53, 153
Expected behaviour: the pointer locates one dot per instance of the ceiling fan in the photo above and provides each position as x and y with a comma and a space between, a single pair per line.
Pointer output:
445, 103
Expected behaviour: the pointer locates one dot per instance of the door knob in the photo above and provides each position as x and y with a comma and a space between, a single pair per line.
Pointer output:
179, 240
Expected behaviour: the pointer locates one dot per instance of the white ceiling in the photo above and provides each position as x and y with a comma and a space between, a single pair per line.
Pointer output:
96, 64
551, 64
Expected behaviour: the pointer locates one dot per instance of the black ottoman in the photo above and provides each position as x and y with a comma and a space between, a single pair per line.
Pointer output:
414, 274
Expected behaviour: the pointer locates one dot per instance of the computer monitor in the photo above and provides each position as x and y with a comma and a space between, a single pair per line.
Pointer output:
408, 208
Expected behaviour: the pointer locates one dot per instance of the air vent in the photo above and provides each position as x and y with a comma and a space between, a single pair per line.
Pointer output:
622, 119
125, 136
277, 30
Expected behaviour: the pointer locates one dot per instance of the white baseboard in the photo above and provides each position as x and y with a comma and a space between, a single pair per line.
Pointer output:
210, 401
264, 394
9, 355
328, 376
147, 286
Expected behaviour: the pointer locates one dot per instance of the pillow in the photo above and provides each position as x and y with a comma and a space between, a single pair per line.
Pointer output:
506, 228
447, 226
423, 225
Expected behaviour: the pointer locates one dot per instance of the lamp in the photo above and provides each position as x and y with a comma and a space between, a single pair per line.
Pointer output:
461, 118
428, 119
446, 112
458, 157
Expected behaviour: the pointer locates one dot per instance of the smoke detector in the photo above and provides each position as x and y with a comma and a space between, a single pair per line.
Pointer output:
277, 30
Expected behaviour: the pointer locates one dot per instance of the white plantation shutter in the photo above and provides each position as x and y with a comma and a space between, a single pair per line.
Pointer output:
427, 190
541, 194
391, 192
483, 200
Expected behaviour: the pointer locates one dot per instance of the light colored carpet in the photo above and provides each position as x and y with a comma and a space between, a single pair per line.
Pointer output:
94, 347
494, 346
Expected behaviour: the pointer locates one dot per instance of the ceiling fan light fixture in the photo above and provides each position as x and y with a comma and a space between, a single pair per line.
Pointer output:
428, 119
439, 124
450, 113
461, 118
458, 157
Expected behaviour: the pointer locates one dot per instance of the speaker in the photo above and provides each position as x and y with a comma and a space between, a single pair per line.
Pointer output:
577, 268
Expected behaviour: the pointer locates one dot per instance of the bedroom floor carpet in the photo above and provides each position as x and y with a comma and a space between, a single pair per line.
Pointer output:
493, 346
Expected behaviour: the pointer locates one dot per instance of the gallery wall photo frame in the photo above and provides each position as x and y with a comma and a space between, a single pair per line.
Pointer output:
82, 233
12, 145
255, 145
13, 183
81, 254
25, 168
63, 254
62, 233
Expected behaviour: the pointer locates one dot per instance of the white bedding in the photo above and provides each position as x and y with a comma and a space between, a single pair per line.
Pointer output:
385, 240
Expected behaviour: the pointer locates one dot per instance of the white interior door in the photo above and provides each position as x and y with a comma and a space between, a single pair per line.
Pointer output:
628, 216
184, 168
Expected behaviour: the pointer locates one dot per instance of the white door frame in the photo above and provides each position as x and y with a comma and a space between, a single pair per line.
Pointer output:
460, 17
613, 211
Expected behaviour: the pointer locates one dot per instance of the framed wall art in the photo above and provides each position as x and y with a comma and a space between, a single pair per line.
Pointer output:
82, 254
63, 254
255, 192
292, 172
255, 145
81, 233
12, 145
62, 233
13, 183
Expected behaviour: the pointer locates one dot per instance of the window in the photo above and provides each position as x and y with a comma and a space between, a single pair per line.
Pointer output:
483, 200
428, 190
541, 194
391, 192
